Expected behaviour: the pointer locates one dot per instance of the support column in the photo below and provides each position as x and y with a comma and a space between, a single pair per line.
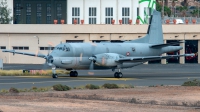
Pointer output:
182, 59
198, 51
164, 61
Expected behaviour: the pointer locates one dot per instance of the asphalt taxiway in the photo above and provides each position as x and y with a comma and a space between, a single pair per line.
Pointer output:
142, 75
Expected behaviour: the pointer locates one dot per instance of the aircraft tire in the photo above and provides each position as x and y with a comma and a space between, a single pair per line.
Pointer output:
71, 74
55, 76
75, 73
116, 75
120, 75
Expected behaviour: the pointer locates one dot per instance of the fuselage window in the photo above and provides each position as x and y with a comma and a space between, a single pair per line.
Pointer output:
67, 49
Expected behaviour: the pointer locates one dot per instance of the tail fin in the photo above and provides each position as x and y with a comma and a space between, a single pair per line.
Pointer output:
154, 32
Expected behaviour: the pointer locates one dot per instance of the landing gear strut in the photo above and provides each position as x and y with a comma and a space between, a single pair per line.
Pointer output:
54, 75
73, 74
118, 74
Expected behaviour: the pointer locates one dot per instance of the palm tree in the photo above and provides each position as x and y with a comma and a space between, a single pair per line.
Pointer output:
185, 3
5, 12
183, 10
194, 12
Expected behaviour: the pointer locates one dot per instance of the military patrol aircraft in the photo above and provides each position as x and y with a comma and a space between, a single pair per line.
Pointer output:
93, 56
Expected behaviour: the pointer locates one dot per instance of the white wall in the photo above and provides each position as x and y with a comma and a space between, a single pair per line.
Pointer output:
109, 3
124, 3
135, 5
101, 5
74, 3
92, 3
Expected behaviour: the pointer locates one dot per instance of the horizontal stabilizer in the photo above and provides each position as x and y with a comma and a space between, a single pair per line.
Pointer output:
165, 45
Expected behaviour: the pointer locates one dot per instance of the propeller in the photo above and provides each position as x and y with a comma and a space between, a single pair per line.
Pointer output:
93, 60
48, 58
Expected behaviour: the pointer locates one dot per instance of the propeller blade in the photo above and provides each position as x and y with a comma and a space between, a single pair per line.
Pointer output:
103, 60
81, 55
92, 65
93, 60
50, 45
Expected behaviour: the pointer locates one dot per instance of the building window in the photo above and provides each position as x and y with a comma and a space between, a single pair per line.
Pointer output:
59, 12
92, 15
20, 48
76, 14
109, 15
48, 13
74, 41
17, 13
125, 15
2, 47
39, 13
28, 13
46, 48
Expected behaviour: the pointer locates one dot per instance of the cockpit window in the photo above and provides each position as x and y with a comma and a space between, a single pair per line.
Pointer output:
64, 48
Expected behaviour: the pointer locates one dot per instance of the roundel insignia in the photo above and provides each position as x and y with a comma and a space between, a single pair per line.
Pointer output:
128, 53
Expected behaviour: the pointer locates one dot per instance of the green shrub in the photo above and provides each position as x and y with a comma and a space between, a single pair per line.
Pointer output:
60, 87
125, 86
195, 82
4, 91
110, 86
34, 87
13, 90
91, 86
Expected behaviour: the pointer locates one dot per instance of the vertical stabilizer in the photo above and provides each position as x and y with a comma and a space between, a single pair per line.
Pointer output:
154, 32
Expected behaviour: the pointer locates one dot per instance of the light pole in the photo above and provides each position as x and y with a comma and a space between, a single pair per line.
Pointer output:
198, 9
163, 4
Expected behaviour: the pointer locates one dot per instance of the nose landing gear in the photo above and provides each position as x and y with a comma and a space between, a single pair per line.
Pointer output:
54, 75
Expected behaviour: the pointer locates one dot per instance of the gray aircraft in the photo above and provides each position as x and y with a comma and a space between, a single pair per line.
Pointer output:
93, 56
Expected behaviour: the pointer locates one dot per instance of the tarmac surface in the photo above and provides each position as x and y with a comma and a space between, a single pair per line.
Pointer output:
142, 75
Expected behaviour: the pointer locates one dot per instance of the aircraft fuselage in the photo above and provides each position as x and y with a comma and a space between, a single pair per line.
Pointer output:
76, 55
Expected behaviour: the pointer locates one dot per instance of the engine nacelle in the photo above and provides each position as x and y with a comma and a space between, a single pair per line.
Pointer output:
107, 59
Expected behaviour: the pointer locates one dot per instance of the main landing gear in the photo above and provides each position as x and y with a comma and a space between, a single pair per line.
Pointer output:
118, 74
73, 74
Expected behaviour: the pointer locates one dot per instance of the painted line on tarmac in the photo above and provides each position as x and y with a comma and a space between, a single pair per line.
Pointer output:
52, 82
87, 78
172, 78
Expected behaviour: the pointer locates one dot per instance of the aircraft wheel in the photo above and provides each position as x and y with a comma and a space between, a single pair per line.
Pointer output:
75, 73
71, 74
120, 75
116, 75
55, 76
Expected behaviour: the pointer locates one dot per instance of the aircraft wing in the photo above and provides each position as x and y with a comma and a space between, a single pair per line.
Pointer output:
149, 58
24, 53
165, 45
